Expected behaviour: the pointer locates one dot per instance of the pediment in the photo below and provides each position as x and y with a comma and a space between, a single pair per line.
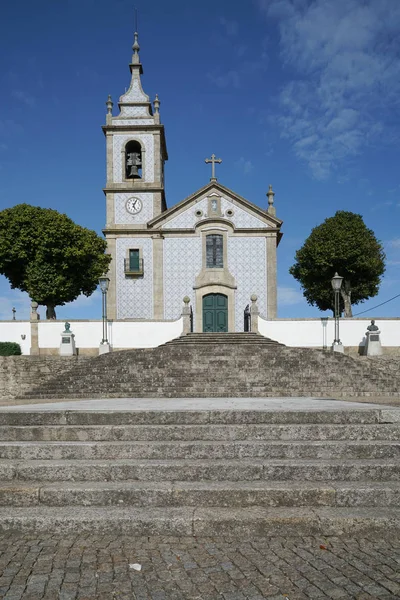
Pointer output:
195, 208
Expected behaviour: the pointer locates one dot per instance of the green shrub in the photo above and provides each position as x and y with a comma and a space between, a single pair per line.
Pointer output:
10, 349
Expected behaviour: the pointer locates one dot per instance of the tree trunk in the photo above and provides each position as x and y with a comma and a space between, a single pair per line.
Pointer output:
346, 295
50, 311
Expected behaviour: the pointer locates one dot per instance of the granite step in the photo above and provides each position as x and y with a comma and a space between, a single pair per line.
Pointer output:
205, 469
211, 432
243, 523
199, 450
207, 493
22, 416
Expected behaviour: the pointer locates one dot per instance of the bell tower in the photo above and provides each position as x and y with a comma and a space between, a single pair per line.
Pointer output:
136, 152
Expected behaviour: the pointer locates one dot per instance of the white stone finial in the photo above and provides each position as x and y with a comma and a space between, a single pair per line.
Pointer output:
156, 104
270, 195
109, 105
136, 48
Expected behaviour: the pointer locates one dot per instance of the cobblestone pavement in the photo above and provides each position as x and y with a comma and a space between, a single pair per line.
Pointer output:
100, 567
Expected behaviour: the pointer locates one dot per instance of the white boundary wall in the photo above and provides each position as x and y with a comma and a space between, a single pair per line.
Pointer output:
88, 334
13, 331
313, 333
320, 333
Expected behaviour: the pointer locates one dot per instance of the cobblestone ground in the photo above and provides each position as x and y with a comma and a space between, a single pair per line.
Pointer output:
100, 567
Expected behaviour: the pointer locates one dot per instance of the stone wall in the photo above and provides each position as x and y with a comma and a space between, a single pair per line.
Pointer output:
19, 373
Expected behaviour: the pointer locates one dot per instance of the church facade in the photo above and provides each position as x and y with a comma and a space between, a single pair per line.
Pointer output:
214, 246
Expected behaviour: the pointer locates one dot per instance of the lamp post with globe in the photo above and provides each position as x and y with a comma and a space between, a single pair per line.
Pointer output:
104, 283
336, 283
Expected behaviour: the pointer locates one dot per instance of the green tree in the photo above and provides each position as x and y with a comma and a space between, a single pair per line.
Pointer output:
45, 254
342, 243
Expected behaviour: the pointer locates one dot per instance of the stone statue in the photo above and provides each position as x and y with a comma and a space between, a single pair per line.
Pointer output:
133, 162
372, 327
67, 327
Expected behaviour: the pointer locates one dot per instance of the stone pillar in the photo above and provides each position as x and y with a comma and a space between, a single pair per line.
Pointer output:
254, 313
158, 277
112, 275
272, 301
34, 318
186, 316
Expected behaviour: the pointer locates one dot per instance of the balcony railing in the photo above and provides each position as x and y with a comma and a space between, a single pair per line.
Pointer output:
133, 267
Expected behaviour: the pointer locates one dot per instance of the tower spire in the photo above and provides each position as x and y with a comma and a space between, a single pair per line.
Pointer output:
136, 48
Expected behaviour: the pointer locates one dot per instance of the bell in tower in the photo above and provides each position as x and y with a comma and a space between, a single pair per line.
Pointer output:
133, 160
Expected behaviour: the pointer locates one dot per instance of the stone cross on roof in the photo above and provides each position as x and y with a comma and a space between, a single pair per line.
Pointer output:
213, 160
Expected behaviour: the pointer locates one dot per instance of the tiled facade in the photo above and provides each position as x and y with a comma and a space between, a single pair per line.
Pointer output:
182, 263
134, 294
247, 261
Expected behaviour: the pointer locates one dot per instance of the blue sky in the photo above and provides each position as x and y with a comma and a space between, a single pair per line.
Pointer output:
303, 94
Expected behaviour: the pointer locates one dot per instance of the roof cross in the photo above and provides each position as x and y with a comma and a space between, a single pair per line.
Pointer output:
213, 160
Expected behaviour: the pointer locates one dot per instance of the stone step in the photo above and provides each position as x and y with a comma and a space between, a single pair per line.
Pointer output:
194, 470
24, 416
220, 393
211, 432
243, 523
199, 450
207, 493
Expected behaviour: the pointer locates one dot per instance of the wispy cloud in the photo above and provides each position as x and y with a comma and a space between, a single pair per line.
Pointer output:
24, 97
244, 165
345, 58
10, 127
289, 295
230, 27
223, 80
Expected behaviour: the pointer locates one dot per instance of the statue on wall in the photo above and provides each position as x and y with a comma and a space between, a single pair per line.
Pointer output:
372, 327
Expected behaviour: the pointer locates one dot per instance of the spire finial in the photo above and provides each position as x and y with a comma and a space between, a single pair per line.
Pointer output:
270, 195
109, 105
156, 104
136, 48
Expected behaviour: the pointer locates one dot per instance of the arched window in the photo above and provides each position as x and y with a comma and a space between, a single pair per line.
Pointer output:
214, 251
133, 160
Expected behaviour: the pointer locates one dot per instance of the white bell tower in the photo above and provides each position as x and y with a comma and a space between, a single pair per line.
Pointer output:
136, 153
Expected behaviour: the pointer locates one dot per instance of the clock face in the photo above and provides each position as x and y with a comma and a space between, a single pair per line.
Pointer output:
133, 205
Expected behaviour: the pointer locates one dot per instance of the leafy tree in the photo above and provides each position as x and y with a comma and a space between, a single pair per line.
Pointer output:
46, 254
344, 244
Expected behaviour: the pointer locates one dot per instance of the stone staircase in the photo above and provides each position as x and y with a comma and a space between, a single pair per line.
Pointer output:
238, 473
219, 365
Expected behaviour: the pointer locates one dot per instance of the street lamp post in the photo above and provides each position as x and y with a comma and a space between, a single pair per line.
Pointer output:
104, 282
336, 282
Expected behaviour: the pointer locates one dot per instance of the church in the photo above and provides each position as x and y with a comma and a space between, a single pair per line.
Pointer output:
215, 247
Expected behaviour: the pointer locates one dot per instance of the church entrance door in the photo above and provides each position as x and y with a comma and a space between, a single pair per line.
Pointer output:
215, 313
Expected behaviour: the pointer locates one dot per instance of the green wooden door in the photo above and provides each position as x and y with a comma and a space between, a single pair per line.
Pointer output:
215, 312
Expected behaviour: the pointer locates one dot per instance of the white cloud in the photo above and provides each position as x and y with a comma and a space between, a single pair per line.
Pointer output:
231, 27
24, 97
244, 165
288, 296
344, 56
395, 243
